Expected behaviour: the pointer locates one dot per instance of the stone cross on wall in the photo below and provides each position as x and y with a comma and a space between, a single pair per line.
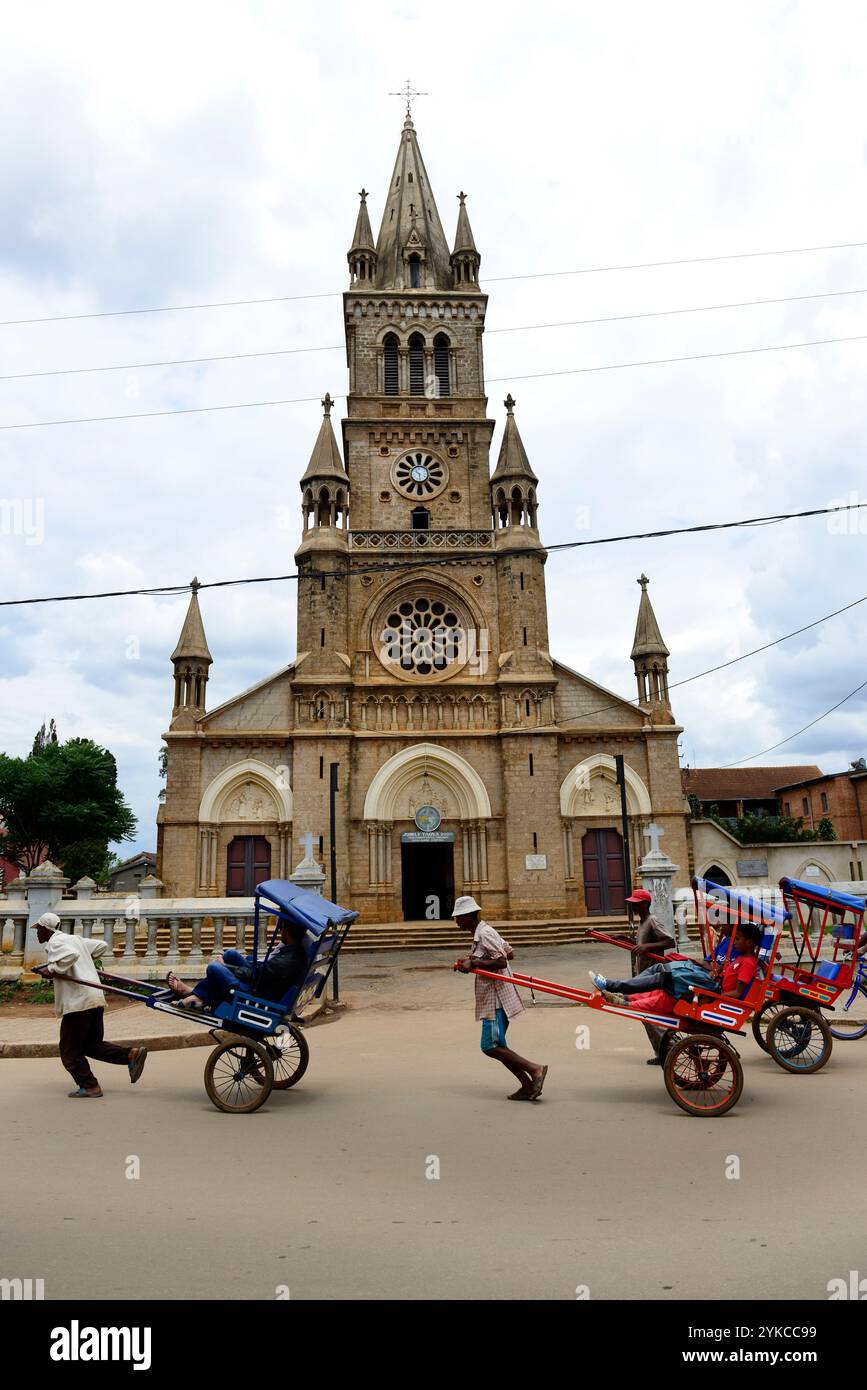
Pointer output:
308, 842
654, 834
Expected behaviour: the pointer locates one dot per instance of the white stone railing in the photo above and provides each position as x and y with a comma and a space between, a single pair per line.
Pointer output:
145, 937
13, 929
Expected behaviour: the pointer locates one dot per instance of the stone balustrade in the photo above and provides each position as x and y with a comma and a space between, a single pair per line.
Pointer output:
145, 937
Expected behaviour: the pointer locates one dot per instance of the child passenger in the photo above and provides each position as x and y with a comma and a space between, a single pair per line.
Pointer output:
658, 988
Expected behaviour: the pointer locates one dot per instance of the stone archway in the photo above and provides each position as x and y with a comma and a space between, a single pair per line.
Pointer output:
428, 773
247, 793
590, 789
590, 796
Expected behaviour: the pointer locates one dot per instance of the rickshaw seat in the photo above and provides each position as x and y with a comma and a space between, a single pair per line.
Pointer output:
828, 969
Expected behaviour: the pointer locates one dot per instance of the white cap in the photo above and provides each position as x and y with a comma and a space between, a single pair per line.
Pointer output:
465, 905
49, 920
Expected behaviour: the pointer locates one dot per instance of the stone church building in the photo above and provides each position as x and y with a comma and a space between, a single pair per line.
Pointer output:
468, 758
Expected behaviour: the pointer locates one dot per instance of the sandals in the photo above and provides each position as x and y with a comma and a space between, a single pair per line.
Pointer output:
538, 1084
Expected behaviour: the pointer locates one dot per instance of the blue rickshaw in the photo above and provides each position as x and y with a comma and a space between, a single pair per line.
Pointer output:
260, 1045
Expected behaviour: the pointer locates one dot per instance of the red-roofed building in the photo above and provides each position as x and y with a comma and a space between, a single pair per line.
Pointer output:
841, 796
744, 791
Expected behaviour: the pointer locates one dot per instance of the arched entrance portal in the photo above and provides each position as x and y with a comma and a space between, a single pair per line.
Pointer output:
445, 847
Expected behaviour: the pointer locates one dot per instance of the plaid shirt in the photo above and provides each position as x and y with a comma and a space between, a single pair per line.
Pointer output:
491, 994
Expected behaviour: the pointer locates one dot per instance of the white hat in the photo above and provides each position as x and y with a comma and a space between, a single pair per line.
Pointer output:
49, 920
465, 905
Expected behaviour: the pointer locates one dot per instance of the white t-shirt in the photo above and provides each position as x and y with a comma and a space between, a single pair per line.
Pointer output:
73, 955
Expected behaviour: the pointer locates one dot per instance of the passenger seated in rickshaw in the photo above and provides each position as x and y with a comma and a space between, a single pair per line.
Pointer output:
659, 987
284, 968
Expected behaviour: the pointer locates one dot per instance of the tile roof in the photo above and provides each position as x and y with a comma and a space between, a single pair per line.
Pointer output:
743, 783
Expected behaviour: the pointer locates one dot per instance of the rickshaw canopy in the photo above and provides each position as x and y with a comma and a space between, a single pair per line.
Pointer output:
280, 897
825, 897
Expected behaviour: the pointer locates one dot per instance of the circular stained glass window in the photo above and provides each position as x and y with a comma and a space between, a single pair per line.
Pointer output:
423, 636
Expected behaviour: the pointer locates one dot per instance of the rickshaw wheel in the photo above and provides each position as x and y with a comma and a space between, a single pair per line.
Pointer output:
799, 1040
839, 1024
763, 1020
703, 1074
289, 1054
239, 1075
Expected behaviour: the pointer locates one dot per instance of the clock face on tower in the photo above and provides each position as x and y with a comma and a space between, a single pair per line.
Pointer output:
419, 475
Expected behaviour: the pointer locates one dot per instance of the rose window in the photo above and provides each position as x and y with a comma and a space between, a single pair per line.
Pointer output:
423, 636
419, 475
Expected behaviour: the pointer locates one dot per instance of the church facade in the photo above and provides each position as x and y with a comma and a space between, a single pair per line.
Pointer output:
466, 757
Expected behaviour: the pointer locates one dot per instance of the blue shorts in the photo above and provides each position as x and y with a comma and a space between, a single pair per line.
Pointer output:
494, 1031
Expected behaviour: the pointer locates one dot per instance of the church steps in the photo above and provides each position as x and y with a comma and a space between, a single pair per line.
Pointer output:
391, 936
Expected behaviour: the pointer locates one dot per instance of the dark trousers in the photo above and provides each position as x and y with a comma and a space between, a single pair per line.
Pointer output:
654, 1035
654, 977
81, 1036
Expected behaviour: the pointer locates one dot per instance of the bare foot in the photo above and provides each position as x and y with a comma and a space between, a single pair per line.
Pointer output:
177, 986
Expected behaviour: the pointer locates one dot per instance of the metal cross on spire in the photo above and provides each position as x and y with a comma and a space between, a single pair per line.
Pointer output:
408, 94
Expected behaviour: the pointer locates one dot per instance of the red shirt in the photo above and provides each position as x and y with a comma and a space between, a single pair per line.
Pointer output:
741, 971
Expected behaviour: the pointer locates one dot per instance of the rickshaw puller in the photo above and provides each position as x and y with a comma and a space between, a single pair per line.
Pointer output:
496, 1002
650, 933
81, 1007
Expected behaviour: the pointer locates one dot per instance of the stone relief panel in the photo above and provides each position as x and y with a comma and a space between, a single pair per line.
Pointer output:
249, 801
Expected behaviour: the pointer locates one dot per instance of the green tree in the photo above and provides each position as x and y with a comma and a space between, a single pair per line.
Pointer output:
825, 829
62, 801
45, 738
763, 830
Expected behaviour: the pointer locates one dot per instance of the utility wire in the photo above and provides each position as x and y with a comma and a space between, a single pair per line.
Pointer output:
514, 328
665, 361
491, 279
811, 725
734, 661
527, 376
426, 561
602, 709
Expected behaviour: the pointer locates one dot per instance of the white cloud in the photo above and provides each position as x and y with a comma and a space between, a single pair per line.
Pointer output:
209, 151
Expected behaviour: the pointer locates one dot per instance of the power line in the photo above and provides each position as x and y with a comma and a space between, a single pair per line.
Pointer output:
428, 560
174, 362
527, 376
690, 260
734, 661
706, 526
668, 313
175, 590
491, 279
811, 725
514, 328
665, 361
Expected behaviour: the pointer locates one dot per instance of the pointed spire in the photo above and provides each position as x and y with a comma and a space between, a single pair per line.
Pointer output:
465, 259
362, 254
192, 643
512, 461
362, 239
411, 224
464, 234
648, 638
325, 461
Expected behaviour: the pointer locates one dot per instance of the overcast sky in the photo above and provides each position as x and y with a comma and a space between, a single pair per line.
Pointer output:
185, 153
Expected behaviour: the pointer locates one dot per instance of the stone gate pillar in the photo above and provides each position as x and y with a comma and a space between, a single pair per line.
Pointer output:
45, 887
